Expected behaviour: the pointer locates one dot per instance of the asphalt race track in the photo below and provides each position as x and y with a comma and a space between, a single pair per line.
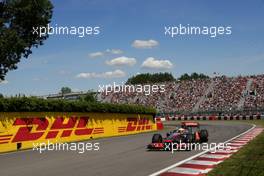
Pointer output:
118, 156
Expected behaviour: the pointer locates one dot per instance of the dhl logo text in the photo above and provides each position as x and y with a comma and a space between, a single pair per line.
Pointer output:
31, 129
135, 124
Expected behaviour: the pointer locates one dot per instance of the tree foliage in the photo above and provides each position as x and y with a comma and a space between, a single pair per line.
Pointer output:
89, 97
148, 78
17, 19
33, 104
193, 76
65, 90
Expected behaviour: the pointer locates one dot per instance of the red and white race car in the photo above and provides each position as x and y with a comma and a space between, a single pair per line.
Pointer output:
188, 132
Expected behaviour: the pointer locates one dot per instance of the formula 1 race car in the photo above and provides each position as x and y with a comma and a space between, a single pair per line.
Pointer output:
187, 133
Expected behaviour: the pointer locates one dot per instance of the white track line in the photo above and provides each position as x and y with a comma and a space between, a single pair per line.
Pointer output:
194, 156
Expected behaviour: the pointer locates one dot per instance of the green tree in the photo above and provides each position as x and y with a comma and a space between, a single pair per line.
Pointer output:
147, 78
90, 97
18, 18
185, 76
193, 76
65, 90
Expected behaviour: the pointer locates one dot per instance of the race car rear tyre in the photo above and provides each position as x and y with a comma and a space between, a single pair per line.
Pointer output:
157, 138
204, 135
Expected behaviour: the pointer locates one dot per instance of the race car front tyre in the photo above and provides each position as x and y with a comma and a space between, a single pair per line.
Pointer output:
204, 135
189, 138
157, 138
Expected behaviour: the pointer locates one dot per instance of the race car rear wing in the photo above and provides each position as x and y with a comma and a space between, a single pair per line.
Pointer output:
190, 124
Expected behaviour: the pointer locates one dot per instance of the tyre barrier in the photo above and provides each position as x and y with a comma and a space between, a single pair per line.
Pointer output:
23, 130
211, 117
159, 123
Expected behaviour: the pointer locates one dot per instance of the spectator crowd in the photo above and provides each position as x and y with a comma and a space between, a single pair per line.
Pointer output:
255, 96
220, 93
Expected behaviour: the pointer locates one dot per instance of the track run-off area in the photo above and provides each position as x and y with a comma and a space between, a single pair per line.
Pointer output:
119, 156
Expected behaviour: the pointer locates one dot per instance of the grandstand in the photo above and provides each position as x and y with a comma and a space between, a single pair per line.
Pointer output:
220, 93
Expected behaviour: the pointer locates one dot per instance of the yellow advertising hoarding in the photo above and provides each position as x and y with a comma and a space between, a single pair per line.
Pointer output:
21, 130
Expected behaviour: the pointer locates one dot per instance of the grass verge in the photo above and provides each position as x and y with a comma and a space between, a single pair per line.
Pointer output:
248, 161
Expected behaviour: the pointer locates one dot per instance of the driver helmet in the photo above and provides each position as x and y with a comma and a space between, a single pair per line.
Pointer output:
181, 130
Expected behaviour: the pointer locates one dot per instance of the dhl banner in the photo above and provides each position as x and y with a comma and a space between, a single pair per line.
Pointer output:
21, 130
